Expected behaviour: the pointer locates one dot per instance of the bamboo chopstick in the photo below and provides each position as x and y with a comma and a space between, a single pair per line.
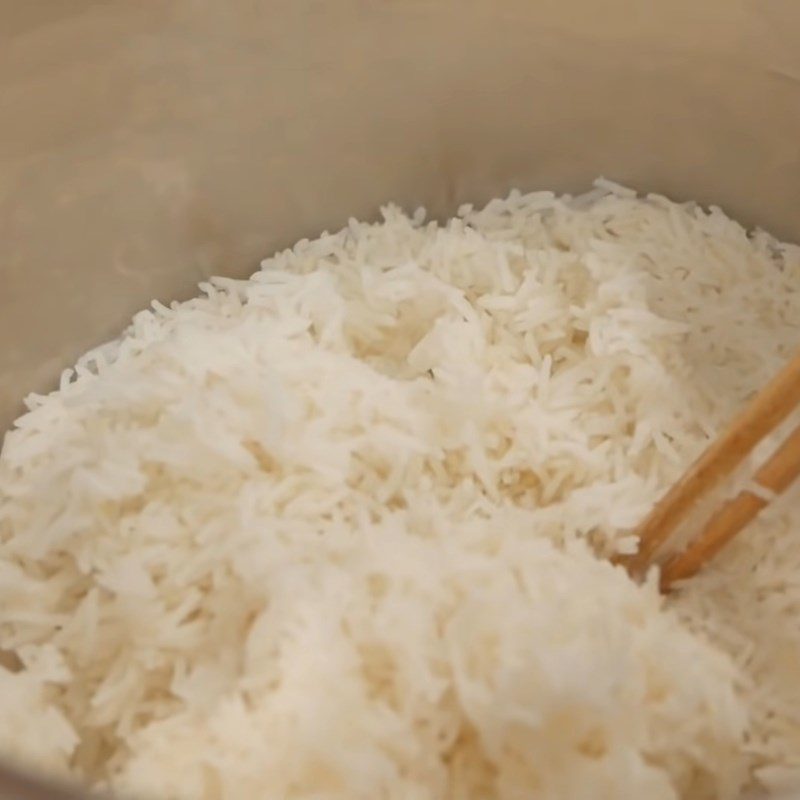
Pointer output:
777, 474
759, 418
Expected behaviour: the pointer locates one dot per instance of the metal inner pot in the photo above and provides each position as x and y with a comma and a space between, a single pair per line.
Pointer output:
145, 146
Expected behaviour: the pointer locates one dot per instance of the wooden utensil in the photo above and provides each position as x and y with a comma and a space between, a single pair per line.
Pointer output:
771, 406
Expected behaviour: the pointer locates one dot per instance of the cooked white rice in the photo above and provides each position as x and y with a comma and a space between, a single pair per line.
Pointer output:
331, 532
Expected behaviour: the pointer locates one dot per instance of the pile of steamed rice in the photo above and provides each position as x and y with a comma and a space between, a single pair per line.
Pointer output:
336, 531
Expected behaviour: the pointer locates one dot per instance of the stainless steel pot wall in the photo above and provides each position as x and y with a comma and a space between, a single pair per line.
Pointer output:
145, 145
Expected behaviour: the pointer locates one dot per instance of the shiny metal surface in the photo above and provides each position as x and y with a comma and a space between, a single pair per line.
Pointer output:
145, 145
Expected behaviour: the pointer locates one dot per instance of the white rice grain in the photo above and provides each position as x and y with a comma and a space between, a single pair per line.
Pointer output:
326, 532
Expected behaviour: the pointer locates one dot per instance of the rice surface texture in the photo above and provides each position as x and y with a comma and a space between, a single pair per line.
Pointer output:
341, 531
